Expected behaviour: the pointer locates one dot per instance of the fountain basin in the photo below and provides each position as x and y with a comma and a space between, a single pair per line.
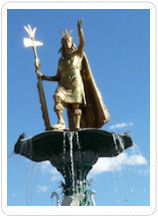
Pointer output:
73, 153
43, 146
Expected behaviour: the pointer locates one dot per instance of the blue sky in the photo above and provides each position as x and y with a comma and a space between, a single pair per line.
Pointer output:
117, 47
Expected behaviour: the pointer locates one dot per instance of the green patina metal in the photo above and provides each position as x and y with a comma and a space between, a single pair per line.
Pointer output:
81, 184
74, 157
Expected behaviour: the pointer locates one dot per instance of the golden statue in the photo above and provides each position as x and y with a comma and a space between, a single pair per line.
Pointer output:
76, 89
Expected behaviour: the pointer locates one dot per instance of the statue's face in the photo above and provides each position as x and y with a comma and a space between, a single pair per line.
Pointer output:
67, 43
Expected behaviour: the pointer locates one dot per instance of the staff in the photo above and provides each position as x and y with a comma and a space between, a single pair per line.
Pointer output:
30, 42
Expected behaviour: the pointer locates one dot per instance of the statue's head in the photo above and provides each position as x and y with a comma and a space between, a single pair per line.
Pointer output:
67, 42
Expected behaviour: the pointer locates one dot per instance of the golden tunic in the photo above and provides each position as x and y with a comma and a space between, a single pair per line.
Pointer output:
70, 89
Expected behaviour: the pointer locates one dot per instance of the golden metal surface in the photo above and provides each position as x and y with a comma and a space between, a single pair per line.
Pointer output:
31, 42
76, 89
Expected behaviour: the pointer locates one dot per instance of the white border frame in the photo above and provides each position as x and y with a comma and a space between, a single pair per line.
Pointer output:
98, 210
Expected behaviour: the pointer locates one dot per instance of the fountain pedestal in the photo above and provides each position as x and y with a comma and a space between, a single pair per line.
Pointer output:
75, 168
73, 153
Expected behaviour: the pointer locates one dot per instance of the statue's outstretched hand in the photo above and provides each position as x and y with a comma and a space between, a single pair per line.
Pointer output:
79, 24
37, 65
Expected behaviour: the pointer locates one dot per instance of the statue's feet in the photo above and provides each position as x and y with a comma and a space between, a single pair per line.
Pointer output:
77, 128
59, 126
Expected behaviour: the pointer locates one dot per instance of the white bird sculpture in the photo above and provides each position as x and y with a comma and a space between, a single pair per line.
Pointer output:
73, 200
68, 200
57, 197
92, 192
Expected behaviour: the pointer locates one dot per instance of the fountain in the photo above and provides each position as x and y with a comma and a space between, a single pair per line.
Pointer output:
73, 157
72, 151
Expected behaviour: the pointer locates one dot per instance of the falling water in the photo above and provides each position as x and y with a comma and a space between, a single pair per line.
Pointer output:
77, 140
121, 142
30, 181
116, 137
64, 146
79, 156
71, 134
28, 143
30, 147
64, 152
78, 145
11, 155
22, 146
135, 149
115, 142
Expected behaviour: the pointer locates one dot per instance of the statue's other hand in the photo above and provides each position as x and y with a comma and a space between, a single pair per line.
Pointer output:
40, 75
79, 24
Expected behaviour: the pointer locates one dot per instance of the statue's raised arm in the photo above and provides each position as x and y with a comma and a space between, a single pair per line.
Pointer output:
81, 37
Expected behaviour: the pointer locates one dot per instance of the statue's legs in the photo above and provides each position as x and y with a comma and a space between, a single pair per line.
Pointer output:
70, 117
59, 107
76, 116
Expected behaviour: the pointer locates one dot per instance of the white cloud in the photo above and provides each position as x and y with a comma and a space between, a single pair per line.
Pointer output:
53, 171
42, 188
121, 125
135, 158
117, 163
46, 167
56, 177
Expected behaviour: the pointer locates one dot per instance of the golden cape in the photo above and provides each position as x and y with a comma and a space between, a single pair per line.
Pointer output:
94, 113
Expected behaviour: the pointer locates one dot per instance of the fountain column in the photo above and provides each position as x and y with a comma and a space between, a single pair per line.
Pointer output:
74, 165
